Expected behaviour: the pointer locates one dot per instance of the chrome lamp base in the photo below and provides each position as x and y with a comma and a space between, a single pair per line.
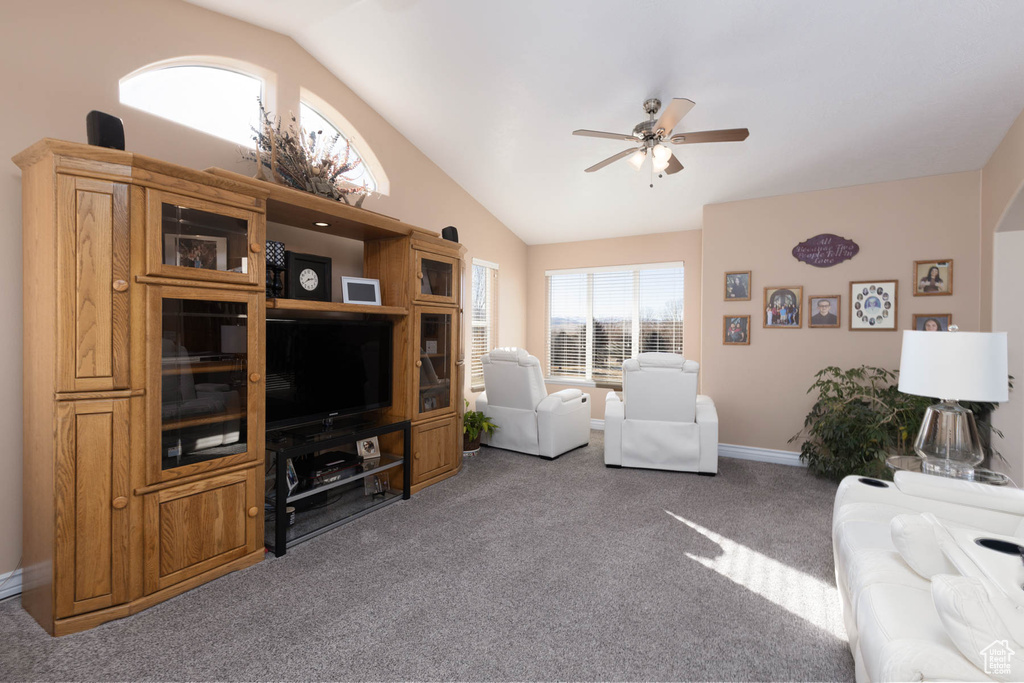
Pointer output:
948, 441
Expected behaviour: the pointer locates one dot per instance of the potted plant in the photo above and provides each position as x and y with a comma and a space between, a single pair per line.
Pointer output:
474, 424
860, 417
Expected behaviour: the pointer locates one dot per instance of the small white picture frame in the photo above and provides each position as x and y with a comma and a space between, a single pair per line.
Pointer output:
368, 448
360, 290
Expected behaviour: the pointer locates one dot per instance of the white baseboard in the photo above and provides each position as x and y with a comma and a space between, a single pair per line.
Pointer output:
792, 458
597, 424
12, 585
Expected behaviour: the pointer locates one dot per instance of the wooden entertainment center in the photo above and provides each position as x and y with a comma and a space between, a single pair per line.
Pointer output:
145, 460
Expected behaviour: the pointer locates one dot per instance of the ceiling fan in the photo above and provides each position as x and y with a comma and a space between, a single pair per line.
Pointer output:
652, 135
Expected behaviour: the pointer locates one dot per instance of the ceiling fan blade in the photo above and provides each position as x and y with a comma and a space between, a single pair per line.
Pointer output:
601, 164
673, 114
730, 135
673, 166
599, 134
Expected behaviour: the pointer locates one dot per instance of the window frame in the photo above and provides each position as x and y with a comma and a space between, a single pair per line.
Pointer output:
267, 79
635, 322
491, 325
351, 134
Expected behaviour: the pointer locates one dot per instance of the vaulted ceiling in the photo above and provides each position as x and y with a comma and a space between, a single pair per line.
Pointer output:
834, 94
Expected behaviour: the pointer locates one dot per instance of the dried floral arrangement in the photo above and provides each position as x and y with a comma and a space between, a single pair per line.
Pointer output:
304, 160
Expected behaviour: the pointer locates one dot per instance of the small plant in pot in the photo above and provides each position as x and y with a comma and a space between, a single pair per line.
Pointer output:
474, 425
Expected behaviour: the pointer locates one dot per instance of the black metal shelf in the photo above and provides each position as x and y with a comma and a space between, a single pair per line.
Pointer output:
346, 505
348, 480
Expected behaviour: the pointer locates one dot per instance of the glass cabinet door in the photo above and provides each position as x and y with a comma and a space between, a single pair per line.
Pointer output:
199, 240
436, 278
209, 400
435, 367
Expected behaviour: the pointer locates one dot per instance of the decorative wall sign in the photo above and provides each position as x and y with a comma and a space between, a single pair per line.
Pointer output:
825, 250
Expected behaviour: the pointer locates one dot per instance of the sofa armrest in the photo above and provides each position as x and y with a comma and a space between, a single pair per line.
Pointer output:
707, 420
554, 402
481, 402
612, 397
614, 414
960, 492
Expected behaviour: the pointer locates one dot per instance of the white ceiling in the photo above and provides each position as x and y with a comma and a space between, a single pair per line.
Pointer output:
834, 94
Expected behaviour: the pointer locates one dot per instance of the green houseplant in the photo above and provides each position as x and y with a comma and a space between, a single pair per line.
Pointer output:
475, 424
861, 416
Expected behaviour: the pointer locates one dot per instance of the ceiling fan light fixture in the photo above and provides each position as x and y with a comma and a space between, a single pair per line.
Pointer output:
637, 159
660, 164
662, 153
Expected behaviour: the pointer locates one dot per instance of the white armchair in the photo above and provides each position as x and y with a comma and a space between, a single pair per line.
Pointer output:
660, 422
529, 420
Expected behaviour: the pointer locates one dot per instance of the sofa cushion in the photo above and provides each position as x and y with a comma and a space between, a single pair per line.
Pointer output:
892, 618
914, 538
979, 624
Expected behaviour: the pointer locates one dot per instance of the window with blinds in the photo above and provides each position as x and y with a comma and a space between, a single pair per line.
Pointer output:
599, 317
484, 320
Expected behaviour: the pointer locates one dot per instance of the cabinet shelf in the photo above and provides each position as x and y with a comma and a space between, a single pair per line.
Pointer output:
334, 307
199, 421
196, 368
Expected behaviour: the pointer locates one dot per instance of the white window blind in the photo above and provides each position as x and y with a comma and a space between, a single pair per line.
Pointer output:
484, 322
599, 317
568, 324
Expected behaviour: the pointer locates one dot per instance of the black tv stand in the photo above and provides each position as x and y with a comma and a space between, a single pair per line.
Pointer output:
317, 505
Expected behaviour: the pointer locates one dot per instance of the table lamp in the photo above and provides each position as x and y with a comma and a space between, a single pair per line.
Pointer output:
952, 366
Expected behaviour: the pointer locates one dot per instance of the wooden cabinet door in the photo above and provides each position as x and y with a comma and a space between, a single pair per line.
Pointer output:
196, 239
437, 278
434, 370
205, 388
196, 527
92, 495
434, 450
93, 284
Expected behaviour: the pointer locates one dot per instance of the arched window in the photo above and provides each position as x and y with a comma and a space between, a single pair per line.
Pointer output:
316, 115
215, 98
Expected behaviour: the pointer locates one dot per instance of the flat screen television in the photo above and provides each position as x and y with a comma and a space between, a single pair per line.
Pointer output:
319, 369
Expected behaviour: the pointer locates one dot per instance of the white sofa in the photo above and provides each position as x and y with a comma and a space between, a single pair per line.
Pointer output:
921, 599
659, 421
529, 419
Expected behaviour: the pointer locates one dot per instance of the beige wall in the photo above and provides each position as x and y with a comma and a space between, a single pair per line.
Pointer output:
62, 59
760, 389
1001, 180
657, 248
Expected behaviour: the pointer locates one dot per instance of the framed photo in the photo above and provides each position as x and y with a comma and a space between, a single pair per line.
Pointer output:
824, 310
368, 448
736, 330
737, 286
782, 307
933, 278
360, 290
874, 305
196, 251
932, 322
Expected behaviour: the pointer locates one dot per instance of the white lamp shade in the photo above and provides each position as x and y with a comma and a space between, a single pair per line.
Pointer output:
662, 153
961, 366
660, 164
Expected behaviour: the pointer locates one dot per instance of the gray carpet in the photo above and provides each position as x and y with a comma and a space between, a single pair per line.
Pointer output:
516, 569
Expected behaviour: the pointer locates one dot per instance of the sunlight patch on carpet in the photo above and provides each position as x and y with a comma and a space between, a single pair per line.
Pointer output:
797, 592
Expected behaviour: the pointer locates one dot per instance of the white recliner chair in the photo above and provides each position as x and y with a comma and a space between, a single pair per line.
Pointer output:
660, 422
529, 420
